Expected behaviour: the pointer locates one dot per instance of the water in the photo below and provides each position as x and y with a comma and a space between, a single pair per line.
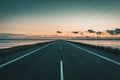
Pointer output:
11, 43
106, 43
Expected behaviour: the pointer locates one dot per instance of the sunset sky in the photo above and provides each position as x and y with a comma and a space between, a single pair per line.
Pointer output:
45, 17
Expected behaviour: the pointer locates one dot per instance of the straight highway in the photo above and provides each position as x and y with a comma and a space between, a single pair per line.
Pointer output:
61, 60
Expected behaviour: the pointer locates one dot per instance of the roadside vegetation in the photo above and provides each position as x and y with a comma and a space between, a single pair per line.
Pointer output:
17, 49
110, 50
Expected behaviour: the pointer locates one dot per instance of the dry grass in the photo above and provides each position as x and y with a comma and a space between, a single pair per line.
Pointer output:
17, 49
115, 51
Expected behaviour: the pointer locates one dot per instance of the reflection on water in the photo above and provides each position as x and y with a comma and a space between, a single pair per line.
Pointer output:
11, 43
108, 43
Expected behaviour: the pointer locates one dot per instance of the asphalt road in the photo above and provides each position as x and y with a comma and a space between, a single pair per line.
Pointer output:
61, 60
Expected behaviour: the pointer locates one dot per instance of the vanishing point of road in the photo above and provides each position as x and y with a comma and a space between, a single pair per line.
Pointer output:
60, 60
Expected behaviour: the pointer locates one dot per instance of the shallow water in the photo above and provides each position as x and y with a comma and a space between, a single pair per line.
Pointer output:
11, 43
106, 43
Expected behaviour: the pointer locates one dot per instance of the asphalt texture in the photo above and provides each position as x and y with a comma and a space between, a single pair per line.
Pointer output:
45, 64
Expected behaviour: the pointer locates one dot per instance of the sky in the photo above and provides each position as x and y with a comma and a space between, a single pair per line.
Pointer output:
45, 17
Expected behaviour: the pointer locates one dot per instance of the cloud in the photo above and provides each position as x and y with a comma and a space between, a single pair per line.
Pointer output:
75, 32
91, 31
117, 31
11, 36
113, 32
58, 31
99, 33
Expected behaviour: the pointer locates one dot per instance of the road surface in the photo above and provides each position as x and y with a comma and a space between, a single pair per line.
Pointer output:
60, 60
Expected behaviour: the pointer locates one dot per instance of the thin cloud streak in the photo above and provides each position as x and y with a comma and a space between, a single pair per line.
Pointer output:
46, 17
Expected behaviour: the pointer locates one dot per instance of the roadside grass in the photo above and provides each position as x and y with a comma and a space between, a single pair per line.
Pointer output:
17, 49
111, 50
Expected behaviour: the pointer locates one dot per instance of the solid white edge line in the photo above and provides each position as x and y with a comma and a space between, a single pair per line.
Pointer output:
9, 62
61, 70
105, 58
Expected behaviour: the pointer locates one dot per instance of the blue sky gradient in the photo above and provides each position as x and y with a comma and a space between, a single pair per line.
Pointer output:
47, 16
